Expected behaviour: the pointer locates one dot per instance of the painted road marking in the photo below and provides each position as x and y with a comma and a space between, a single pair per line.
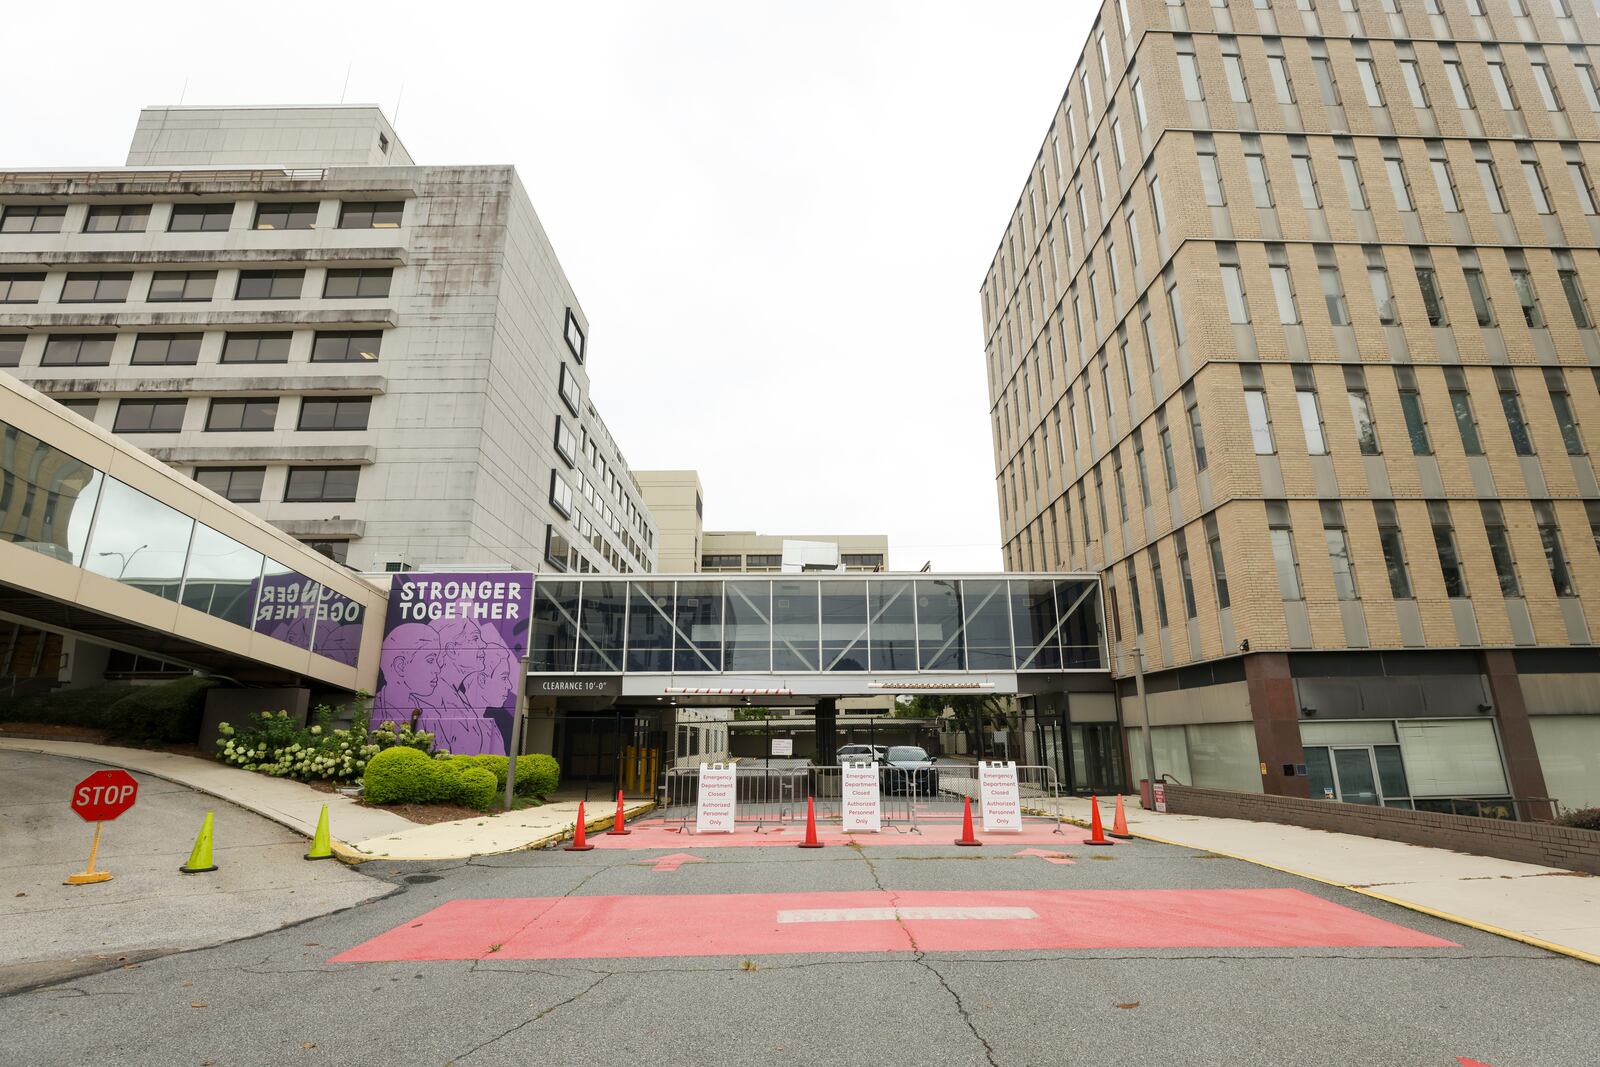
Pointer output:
674, 861
725, 924
856, 915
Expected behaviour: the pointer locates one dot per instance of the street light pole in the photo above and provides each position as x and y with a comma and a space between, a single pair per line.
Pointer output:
1144, 713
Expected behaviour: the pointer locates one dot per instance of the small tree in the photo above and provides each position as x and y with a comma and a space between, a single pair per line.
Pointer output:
972, 713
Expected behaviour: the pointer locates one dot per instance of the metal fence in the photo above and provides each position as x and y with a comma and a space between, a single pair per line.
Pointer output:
773, 793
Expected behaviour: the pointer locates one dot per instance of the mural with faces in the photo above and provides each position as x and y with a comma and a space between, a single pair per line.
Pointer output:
451, 648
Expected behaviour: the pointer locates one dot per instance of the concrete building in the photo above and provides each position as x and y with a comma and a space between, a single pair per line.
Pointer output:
381, 359
676, 502
1288, 338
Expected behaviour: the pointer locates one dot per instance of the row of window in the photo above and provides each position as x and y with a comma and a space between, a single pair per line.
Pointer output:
195, 286
183, 349
210, 217
235, 414
1417, 431
243, 485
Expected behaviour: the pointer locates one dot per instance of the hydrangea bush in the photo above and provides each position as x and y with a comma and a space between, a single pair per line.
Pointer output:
274, 744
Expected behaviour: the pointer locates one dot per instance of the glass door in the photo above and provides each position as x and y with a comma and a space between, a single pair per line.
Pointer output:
1355, 777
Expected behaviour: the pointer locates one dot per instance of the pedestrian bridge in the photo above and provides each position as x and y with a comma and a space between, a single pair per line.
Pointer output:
104, 548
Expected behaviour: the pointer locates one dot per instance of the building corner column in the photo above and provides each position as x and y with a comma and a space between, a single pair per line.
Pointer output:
827, 720
1275, 713
1524, 773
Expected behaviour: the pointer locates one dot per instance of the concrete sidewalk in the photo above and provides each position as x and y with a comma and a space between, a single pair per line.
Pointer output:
360, 833
1553, 909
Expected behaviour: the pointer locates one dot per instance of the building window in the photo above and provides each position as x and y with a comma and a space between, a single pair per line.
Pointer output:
270, 284
1566, 418
11, 345
29, 218
1382, 292
301, 216
1572, 288
1428, 284
1394, 550
1281, 535
200, 218
1282, 285
1219, 572
348, 283
1555, 555
1255, 165
1444, 541
566, 442
1160, 587
722, 562
78, 350
1511, 404
256, 348
570, 394
1211, 174
561, 494
96, 287
1233, 295
1168, 462
1361, 411
371, 215
1411, 408
117, 218
1461, 406
1189, 70
170, 349
85, 409
242, 485
862, 560
250, 413
1505, 564
334, 413
1197, 436
346, 346
21, 288
1255, 409
1395, 168
181, 285
1310, 411
1355, 190
1344, 574
335, 485
1532, 316
557, 550
1482, 305
1185, 575
1332, 287
573, 332
150, 416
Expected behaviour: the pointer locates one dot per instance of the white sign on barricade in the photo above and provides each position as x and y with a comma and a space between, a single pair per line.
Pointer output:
717, 794
862, 809
783, 746
1001, 799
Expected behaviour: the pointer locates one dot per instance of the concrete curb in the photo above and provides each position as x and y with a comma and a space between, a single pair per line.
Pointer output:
601, 823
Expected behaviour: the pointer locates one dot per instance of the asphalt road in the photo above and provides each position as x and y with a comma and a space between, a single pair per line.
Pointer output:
49, 930
277, 999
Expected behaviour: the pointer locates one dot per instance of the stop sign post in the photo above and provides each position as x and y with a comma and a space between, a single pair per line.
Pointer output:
99, 798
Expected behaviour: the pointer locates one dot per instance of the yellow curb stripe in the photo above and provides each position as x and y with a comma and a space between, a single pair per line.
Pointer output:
1460, 920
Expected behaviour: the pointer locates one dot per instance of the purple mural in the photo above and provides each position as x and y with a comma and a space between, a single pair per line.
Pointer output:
452, 644
307, 614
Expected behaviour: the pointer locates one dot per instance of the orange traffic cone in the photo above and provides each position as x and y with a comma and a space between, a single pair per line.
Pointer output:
580, 842
1119, 823
1097, 832
967, 836
811, 840
620, 825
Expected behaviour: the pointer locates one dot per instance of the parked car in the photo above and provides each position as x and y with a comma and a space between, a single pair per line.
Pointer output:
910, 771
861, 754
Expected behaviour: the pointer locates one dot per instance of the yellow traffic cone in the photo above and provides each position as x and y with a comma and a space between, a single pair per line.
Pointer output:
200, 858
321, 848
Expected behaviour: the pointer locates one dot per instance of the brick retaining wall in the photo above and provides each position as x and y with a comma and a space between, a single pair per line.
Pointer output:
1526, 842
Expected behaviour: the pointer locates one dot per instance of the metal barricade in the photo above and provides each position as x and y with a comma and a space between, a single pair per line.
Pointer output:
772, 793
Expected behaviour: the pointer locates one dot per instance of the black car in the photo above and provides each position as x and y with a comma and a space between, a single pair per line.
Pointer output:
910, 770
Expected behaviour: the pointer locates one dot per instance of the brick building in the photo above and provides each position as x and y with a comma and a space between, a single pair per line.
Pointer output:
1288, 337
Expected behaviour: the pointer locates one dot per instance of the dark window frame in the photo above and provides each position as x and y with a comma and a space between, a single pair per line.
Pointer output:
291, 210
244, 405
275, 279
361, 276
300, 473
130, 406
208, 214
189, 277
339, 406
166, 360
351, 211
259, 337
350, 338
227, 490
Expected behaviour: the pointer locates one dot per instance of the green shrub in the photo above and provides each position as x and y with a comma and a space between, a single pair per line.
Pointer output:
538, 775
1582, 819
495, 765
87, 706
157, 714
274, 744
475, 788
399, 775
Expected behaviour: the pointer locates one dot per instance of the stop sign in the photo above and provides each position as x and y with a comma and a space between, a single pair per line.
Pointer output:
104, 795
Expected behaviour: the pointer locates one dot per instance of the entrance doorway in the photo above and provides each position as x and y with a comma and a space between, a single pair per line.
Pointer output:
610, 751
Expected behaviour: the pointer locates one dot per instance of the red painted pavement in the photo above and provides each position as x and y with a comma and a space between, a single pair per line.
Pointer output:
728, 924
656, 834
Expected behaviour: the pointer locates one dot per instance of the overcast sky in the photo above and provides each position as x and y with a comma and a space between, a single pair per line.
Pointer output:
776, 215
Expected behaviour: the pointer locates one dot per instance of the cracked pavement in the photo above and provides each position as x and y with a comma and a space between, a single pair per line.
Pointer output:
275, 999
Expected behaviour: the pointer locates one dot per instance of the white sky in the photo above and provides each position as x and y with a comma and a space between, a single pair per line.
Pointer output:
776, 215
